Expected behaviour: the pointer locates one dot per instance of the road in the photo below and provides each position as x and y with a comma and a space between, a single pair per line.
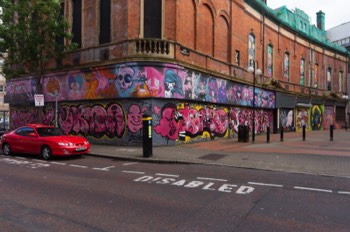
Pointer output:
99, 194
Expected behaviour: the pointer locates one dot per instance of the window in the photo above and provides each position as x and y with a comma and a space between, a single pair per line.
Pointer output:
105, 21
302, 72
251, 49
340, 81
76, 26
152, 19
270, 60
316, 76
286, 66
329, 79
25, 131
60, 39
237, 58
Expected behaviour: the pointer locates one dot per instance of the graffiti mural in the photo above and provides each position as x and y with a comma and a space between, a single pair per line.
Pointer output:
21, 116
317, 117
302, 119
242, 116
137, 80
328, 117
97, 120
287, 119
195, 121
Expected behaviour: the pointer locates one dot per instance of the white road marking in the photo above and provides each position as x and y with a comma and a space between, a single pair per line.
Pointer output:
77, 166
58, 163
133, 172
104, 169
127, 164
42, 161
343, 192
214, 179
313, 189
265, 184
168, 175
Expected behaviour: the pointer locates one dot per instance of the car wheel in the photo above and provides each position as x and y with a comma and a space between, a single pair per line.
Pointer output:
46, 153
6, 149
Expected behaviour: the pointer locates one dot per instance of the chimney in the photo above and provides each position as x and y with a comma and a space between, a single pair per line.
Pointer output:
321, 20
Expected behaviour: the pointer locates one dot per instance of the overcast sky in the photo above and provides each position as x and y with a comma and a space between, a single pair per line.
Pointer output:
337, 11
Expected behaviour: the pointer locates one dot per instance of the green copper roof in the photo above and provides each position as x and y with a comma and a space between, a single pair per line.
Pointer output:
298, 22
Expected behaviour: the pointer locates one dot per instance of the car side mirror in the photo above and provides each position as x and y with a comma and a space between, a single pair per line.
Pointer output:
32, 135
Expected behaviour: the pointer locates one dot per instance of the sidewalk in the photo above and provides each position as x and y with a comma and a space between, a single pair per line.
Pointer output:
316, 155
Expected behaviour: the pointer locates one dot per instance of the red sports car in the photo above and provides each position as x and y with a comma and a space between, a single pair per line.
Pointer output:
43, 140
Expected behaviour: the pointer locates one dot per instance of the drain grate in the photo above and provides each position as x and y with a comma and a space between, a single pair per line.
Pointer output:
213, 157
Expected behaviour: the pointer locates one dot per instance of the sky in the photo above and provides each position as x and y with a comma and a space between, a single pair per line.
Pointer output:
337, 11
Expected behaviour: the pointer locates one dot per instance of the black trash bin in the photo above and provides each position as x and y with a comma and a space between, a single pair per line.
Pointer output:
243, 133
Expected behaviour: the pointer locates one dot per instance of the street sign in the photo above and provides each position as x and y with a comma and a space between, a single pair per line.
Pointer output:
39, 99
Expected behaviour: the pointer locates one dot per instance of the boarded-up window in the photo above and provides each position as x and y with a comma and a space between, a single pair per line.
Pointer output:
105, 21
153, 19
76, 27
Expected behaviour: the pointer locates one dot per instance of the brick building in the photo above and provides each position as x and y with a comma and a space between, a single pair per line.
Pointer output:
185, 63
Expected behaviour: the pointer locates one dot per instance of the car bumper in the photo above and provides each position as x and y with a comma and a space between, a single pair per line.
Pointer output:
69, 151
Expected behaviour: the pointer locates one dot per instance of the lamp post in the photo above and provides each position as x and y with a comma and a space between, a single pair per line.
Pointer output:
253, 68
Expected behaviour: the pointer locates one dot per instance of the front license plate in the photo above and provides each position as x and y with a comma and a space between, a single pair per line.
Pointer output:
80, 149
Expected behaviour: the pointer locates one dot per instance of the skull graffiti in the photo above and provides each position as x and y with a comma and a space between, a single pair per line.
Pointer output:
124, 77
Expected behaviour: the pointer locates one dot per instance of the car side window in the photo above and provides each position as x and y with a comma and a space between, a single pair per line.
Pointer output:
25, 131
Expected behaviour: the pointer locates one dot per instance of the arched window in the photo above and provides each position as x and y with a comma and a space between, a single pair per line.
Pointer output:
316, 76
286, 64
341, 81
329, 79
270, 60
251, 49
302, 71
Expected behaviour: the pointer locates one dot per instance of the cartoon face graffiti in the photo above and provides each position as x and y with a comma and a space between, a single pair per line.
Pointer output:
124, 77
134, 118
172, 84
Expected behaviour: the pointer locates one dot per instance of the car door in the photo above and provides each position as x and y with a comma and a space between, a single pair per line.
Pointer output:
15, 140
29, 141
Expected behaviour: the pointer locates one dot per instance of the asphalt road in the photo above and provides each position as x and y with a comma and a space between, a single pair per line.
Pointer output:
98, 194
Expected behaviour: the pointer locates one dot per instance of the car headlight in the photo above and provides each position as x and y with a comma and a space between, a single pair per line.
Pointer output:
86, 143
65, 144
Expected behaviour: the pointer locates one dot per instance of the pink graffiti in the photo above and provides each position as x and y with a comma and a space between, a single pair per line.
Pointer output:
191, 121
95, 120
241, 116
134, 118
168, 125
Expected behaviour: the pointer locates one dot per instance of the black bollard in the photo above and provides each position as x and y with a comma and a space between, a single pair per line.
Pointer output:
281, 134
331, 132
304, 132
147, 136
268, 135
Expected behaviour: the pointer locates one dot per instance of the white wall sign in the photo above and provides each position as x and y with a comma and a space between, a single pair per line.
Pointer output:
39, 99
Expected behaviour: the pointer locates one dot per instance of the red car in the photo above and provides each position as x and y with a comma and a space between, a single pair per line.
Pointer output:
43, 140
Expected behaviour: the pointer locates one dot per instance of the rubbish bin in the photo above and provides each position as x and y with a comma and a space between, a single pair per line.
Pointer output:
243, 133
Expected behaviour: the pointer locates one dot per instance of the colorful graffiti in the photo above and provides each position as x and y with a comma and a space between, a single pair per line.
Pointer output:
137, 80
302, 119
97, 120
177, 122
328, 117
317, 117
187, 121
287, 119
25, 115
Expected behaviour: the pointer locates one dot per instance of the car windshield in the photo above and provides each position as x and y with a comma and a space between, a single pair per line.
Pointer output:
49, 131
